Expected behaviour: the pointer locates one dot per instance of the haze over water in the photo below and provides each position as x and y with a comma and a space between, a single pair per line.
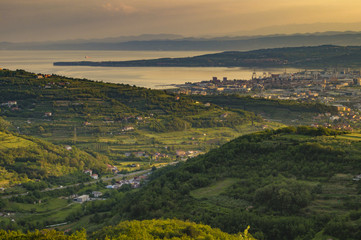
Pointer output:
149, 77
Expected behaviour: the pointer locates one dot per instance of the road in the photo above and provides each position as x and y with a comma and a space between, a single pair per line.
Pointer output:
118, 176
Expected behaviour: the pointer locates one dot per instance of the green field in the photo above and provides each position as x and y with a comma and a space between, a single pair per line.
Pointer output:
351, 136
8, 141
213, 190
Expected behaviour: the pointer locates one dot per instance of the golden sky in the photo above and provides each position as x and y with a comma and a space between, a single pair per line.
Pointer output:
27, 20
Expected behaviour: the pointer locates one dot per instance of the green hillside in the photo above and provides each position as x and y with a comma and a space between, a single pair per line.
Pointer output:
293, 183
116, 119
24, 158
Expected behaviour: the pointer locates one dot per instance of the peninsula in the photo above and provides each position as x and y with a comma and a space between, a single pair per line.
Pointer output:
300, 57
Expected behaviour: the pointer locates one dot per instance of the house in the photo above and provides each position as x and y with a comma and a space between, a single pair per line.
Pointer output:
9, 103
127, 129
357, 178
48, 114
97, 194
67, 147
180, 153
139, 154
82, 198
94, 176
88, 171
112, 168
334, 118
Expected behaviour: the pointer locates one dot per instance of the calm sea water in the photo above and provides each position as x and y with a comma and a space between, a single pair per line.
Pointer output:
150, 77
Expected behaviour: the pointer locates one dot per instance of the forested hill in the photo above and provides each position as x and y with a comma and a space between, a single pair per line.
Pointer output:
24, 158
292, 183
302, 57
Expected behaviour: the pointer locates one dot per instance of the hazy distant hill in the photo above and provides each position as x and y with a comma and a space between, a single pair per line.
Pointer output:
302, 57
168, 42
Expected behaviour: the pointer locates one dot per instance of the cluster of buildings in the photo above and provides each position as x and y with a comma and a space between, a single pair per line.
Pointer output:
91, 174
134, 182
13, 105
95, 195
155, 156
163, 156
190, 153
317, 80
50, 85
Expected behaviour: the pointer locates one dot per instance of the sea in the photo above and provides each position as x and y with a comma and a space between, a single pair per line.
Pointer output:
149, 77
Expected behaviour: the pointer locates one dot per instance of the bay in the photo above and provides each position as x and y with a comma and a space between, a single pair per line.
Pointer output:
149, 77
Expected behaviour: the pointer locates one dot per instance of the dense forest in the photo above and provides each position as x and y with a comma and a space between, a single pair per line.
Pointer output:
292, 183
302, 57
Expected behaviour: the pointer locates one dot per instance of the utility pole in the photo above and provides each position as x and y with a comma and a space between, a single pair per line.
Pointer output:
74, 136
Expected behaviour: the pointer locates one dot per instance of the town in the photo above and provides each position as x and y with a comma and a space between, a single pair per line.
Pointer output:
331, 87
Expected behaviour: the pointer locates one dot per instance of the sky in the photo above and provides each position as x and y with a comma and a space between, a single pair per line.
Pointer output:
50, 20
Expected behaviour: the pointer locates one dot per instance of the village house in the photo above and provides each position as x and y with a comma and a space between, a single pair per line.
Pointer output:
125, 129
9, 103
94, 176
180, 153
82, 198
68, 148
357, 178
114, 169
97, 194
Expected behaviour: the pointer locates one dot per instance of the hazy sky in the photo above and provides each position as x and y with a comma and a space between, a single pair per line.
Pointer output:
28, 20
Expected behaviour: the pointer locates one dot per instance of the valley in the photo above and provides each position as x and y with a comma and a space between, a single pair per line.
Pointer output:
77, 153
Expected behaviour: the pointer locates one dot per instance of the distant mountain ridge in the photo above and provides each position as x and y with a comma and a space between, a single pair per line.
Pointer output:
170, 42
